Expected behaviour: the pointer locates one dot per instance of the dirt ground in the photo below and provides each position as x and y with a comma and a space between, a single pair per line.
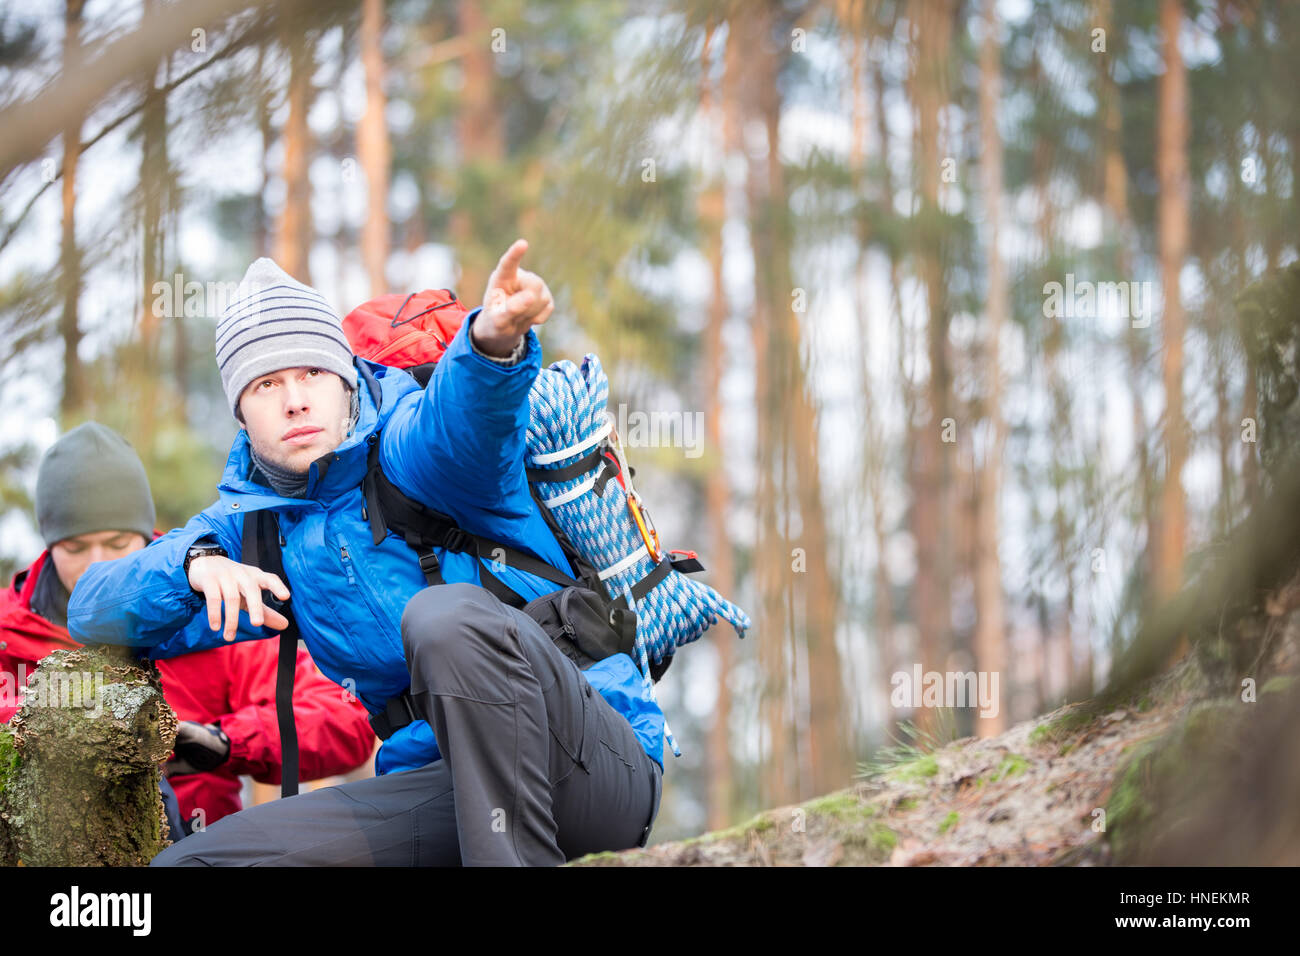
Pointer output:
1034, 796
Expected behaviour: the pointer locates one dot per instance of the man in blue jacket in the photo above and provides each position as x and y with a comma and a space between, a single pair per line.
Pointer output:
508, 755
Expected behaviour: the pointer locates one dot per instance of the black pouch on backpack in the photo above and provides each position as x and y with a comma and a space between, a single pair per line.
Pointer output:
580, 625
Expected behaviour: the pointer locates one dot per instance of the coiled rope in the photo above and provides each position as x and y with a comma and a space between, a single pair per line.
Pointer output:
568, 411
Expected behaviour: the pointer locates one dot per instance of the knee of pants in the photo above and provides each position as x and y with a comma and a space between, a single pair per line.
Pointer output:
450, 620
174, 855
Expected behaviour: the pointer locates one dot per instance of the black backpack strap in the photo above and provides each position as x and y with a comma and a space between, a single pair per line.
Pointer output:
397, 713
424, 529
595, 457
261, 549
642, 587
582, 568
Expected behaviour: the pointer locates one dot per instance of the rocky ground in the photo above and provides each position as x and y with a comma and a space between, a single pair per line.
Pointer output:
1047, 792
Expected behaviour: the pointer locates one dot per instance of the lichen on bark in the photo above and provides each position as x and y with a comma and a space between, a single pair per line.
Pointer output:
80, 763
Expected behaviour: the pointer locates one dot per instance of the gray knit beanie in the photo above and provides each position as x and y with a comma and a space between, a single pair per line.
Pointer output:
91, 480
275, 322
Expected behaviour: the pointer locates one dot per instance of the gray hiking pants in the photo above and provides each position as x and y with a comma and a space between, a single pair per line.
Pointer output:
536, 767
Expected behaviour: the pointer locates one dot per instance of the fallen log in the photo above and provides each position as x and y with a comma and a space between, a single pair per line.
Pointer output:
80, 763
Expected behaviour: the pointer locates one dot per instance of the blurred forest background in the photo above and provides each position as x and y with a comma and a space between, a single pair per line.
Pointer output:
828, 231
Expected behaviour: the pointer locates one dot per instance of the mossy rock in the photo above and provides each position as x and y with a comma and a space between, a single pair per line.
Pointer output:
1154, 788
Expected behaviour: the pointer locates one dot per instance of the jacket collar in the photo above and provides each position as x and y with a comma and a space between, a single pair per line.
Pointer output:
16, 614
25, 581
333, 474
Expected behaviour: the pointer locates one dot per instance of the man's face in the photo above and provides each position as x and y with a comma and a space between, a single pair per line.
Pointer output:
73, 555
295, 415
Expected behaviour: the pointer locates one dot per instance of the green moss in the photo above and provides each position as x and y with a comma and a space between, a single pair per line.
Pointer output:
9, 758
1277, 683
594, 858
1152, 791
906, 803
758, 824
919, 769
1129, 808
1059, 728
843, 804
1011, 765
876, 841
949, 822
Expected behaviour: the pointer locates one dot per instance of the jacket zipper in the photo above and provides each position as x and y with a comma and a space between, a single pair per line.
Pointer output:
347, 560
353, 579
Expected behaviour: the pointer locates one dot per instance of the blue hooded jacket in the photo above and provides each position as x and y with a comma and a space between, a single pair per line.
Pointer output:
457, 446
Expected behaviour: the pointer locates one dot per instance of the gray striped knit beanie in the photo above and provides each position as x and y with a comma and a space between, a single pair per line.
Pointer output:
275, 322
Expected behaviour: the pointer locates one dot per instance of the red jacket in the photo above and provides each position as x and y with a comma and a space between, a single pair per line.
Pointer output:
233, 686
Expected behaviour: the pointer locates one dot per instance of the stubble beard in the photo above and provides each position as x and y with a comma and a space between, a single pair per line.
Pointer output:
299, 460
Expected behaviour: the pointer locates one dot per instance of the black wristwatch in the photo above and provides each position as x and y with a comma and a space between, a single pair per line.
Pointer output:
202, 551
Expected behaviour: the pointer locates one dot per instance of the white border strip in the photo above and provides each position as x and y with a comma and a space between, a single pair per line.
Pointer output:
577, 491
626, 563
597, 437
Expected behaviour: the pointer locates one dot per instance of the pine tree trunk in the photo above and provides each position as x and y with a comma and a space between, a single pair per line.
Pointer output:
778, 783
72, 404
482, 139
990, 633
1115, 201
1171, 171
931, 22
261, 219
712, 211
154, 177
294, 229
373, 149
888, 654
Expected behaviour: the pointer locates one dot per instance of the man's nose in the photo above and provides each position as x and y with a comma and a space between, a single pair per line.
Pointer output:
295, 398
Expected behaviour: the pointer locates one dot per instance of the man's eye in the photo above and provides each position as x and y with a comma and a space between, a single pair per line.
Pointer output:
313, 371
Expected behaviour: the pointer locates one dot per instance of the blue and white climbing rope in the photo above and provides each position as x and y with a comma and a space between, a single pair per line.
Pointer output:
567, 418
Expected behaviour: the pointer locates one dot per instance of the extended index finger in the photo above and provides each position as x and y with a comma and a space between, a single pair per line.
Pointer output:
508, 266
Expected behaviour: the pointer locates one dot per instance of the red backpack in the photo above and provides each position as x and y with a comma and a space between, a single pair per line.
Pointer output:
406, 331
412, 332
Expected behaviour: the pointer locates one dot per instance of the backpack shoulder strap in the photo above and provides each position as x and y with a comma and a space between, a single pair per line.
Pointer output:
261, 548
388, 508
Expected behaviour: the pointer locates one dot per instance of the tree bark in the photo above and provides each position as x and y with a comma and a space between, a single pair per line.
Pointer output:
155, 177
779, 773
482, 140
72, 403
712, 211
373, 150
80, 763
990, 629
294, 229
932, 513
1171, 172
